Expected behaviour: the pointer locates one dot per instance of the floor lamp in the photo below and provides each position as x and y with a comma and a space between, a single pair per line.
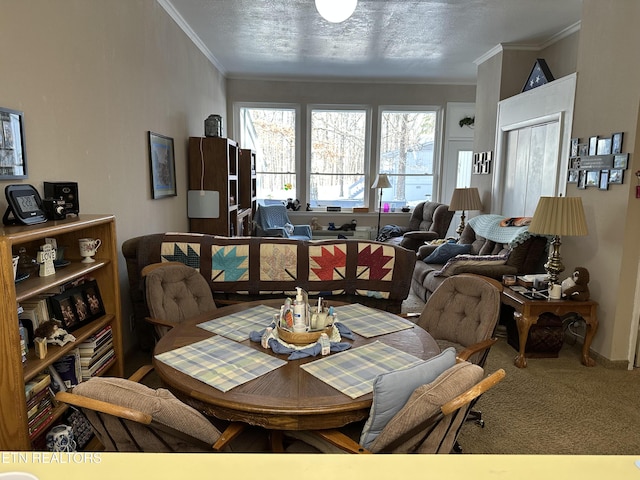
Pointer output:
382, 181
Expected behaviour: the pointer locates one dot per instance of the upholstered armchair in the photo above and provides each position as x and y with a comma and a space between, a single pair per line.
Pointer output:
429, 221
273, 221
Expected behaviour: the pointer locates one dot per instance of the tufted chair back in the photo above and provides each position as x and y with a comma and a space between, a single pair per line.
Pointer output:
174, 293
463, 311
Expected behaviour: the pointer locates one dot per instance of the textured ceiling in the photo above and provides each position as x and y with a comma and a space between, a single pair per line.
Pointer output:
384, 40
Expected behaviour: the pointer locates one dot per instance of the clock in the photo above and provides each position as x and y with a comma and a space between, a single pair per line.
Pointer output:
25, 205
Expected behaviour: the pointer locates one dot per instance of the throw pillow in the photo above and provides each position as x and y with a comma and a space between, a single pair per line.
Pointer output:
454, 264
446, 251
424, 402
392, 390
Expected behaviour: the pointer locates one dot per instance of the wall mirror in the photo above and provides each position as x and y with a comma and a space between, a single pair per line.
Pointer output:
13, 159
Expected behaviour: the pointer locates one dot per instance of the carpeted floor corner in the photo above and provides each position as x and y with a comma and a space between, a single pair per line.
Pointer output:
556, 406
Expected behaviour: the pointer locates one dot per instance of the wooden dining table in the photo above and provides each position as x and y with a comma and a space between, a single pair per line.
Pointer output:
287, 398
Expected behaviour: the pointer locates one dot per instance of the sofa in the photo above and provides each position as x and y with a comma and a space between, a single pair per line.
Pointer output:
485, 248
241, 269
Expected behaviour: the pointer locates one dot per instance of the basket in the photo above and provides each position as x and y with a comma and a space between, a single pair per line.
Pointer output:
302, 338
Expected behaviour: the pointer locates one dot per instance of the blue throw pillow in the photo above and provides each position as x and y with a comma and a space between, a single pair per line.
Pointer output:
392, 390
446, 251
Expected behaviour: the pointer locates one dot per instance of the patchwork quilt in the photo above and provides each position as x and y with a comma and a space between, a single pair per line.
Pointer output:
262, 265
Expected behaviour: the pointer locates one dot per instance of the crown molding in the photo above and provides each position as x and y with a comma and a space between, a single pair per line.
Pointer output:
173, 13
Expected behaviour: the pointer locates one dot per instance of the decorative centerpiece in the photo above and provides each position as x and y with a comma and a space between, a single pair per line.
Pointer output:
300, 324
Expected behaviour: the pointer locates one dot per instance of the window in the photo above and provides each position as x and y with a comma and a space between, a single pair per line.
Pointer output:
338, 150
407, 139
271, 132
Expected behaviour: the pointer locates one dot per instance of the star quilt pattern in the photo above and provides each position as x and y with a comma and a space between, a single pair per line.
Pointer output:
327, 262
278, 262
187, 253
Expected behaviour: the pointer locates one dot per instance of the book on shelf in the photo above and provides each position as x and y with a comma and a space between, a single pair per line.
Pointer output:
99, 365
87, 360
95, 340
36, 385
39, 306
36, 404
68, 368
39, 427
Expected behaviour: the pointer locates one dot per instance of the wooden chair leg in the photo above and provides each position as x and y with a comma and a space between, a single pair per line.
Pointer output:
276, 441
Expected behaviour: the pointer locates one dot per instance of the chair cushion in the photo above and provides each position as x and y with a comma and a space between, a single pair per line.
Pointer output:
177, 293
160, 404
446, 251
425, 402
392, 390
460, 261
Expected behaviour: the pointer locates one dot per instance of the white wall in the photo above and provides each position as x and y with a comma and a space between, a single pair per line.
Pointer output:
93, 77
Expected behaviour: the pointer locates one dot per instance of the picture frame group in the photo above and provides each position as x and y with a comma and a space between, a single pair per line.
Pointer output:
77, 306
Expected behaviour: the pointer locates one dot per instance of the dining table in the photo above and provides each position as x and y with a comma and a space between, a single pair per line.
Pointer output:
289, 396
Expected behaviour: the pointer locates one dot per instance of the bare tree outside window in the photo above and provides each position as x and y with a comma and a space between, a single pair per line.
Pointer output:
406, 156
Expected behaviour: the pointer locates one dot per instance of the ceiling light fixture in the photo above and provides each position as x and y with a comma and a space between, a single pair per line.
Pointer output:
336, 11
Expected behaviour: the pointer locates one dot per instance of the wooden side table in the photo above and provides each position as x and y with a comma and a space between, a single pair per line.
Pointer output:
527, 313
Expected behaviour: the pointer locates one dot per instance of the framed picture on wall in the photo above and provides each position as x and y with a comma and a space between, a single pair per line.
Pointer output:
593, 145
593, 177
573, 176
162, 165
13, 159
604, 146
616, 142
582, 179
621, 160
616, 176
604, 180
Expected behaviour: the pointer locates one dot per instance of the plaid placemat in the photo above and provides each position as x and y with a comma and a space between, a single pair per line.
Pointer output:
220, 362
353, 371
369, 322
237, 326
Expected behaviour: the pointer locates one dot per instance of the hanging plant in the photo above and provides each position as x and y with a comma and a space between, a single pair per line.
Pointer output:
467, 121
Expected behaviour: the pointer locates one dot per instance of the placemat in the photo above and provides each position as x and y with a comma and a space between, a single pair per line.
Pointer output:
220, 362
369, 322
238, 326
352, 372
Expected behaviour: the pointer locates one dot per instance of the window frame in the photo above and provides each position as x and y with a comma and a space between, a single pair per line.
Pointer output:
368, 109
296, 107
437, 144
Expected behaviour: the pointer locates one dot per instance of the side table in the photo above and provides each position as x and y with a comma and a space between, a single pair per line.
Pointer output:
527, 313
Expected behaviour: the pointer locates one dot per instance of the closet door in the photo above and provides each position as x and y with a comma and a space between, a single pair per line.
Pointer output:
532, 169
532, 147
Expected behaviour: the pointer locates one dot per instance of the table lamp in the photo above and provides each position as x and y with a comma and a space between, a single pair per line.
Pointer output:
558, 216
464, 199
382, 181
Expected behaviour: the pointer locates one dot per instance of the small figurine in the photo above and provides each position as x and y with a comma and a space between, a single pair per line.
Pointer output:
53, 333
314, 224
576, 287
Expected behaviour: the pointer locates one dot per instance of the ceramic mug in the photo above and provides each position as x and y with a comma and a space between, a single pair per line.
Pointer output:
60, 439
88, 248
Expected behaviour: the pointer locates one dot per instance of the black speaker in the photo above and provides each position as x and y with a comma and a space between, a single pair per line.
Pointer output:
68, 191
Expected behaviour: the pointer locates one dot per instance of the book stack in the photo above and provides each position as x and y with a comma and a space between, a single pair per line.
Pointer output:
40, 404
96, 353
67, 370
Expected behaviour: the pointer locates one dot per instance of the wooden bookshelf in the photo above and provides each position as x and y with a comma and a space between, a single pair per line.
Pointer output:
14, 434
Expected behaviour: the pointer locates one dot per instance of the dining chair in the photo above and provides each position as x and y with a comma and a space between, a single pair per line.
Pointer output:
463, 313
174, 292
127, 416
429, 422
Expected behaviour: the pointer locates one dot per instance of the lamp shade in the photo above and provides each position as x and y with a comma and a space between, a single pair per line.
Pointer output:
559, 216
382, 181
465, 199
336, 11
